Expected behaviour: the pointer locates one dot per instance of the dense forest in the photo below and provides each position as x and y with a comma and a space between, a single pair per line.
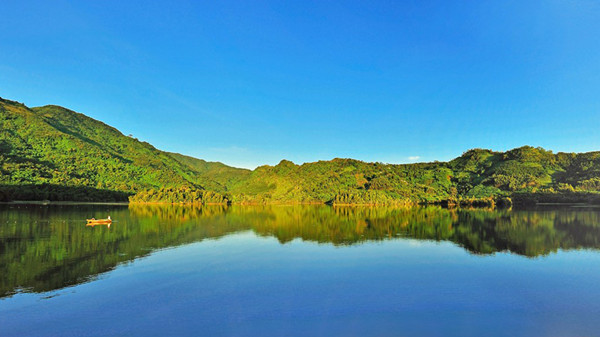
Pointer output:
52, 153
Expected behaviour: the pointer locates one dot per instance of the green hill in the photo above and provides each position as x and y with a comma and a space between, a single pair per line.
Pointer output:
54, 153
57, 154
477, 174
345, 181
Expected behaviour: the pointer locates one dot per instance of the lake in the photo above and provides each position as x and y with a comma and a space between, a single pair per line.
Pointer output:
299, 271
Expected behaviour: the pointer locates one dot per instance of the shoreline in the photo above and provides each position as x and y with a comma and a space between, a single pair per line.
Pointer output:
46, 202
402, 205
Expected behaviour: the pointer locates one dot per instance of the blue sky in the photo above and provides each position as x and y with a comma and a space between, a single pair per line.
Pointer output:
250, 82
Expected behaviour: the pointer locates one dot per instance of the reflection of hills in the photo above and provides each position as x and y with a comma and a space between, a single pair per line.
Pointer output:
46, 248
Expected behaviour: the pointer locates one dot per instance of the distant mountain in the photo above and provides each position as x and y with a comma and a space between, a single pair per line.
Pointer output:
214, 175
54, 153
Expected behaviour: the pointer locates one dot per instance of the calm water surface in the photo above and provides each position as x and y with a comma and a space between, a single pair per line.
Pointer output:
299, 271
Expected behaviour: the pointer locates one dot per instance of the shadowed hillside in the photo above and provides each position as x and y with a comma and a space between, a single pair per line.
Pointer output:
216, 176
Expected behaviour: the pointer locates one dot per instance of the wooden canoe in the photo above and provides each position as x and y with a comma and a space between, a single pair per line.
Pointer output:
99, 221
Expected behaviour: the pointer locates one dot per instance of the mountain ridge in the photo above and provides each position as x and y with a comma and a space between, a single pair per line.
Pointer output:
52, 145
53, 153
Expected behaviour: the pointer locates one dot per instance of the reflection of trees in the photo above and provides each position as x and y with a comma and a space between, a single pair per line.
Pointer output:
45, 248
48, 248
529, 233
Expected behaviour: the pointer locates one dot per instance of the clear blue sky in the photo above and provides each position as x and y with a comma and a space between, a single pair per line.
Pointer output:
250, 82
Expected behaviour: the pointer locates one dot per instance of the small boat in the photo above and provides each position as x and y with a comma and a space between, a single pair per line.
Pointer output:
94, 222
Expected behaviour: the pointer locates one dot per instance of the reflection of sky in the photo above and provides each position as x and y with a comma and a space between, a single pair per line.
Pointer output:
252, 286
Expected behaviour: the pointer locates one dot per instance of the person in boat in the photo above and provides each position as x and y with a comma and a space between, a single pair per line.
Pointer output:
109, 218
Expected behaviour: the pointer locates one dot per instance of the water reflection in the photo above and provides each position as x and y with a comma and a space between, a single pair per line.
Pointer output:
49, 247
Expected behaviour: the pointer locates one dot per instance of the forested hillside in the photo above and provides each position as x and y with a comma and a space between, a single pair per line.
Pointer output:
57, 154
54, 153
523, 172
214, 175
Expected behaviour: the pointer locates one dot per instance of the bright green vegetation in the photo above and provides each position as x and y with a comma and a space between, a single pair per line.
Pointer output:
50, 247
57, 154
183, 194
53, 153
